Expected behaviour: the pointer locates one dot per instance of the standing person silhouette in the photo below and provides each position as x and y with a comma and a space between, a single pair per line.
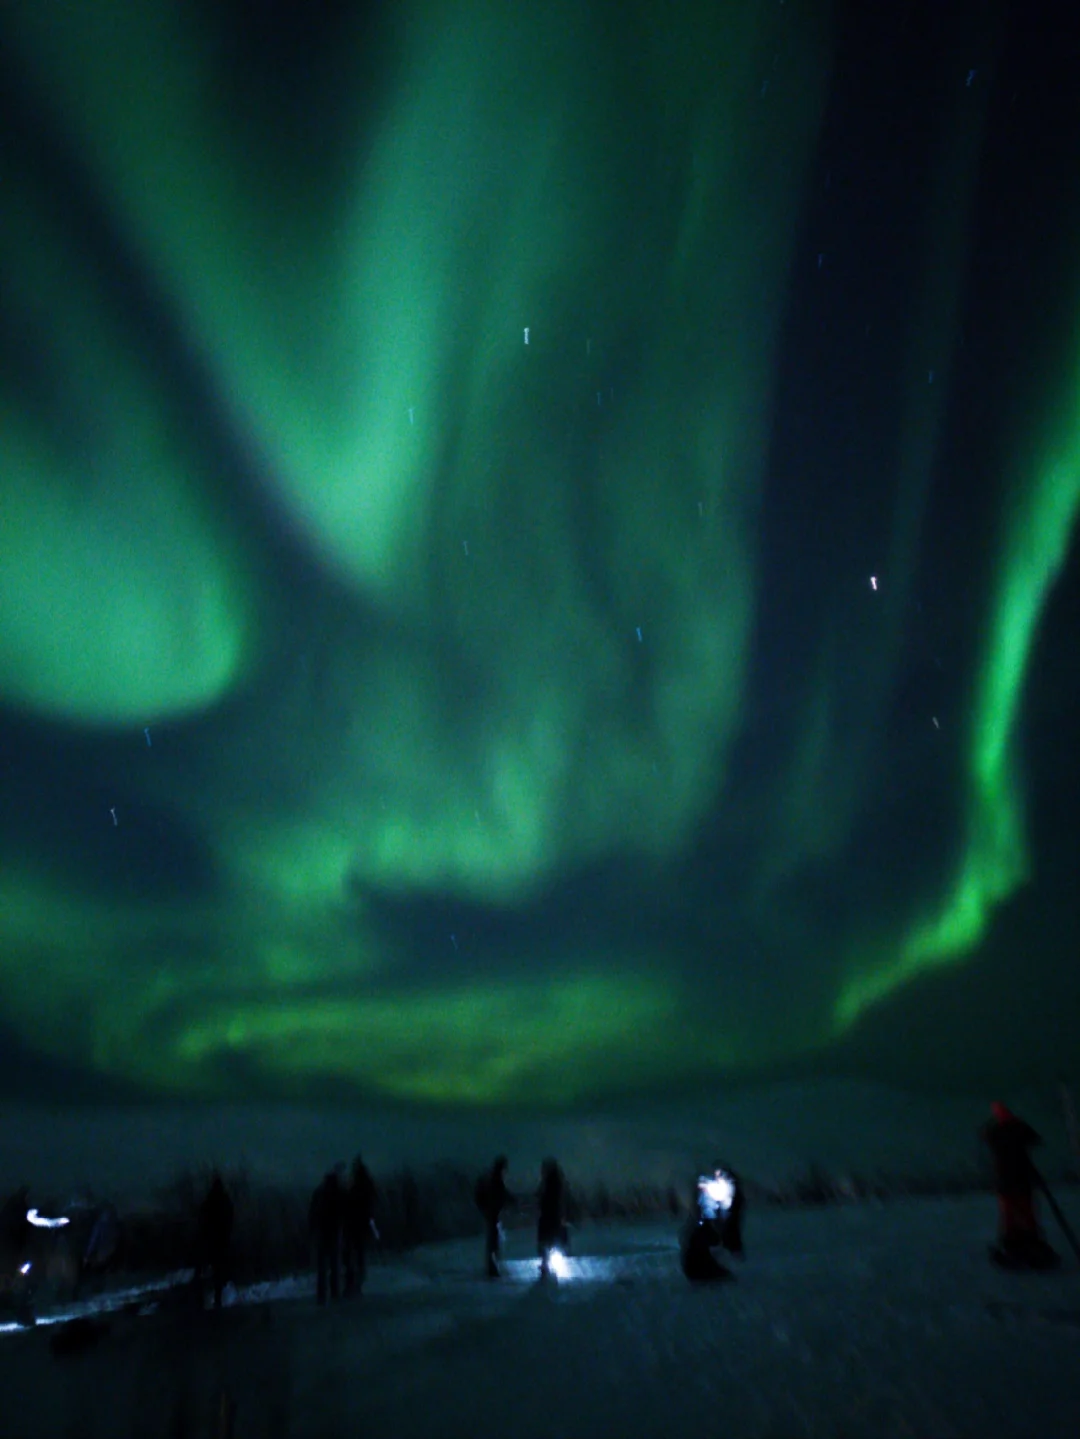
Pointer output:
215, 1232
325, 1218
359, 1225
492, 1197
1020, 1242
550, 1222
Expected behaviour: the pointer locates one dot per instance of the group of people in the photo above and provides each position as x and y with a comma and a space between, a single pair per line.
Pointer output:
493, 1197
718, 1204
715, 1220
341, 1218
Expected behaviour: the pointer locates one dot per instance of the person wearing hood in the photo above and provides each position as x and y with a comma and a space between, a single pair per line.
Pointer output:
1010, 1140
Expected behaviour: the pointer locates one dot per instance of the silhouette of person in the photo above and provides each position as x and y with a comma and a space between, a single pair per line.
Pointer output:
492, 1197
699, 1264
325, 1216
16, 1233
359, 1224
215, 1233
15, 1228
550, 1223
711, 1200
1011, 1140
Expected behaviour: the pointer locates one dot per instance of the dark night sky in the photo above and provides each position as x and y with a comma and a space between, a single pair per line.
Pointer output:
537, 556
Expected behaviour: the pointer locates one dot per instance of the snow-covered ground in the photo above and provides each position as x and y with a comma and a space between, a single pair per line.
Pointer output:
843, 1321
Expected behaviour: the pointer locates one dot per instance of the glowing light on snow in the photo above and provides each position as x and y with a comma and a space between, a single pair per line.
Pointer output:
557, 1263
24, 1268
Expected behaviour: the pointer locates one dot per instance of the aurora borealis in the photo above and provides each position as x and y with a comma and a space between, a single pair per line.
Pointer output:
538, 549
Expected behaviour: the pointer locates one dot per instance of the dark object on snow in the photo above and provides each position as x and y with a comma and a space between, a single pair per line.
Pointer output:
492, 1197
359, 1226
699, 1264
17, 1293
1055, 1209
326, 1217
550, 1222
77, 1336
1026, 1252
15, 1228
215, 1232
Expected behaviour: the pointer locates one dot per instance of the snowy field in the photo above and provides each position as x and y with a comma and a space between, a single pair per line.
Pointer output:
868, 1320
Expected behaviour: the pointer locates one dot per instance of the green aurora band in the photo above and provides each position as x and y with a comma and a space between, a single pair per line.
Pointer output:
1036, 535
483, 718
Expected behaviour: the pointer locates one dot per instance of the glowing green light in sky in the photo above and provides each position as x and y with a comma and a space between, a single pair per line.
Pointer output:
363, 317
123, 594
287, 994
1039, 525
527, 575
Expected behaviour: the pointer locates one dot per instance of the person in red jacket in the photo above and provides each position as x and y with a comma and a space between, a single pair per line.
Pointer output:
1010, 1140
